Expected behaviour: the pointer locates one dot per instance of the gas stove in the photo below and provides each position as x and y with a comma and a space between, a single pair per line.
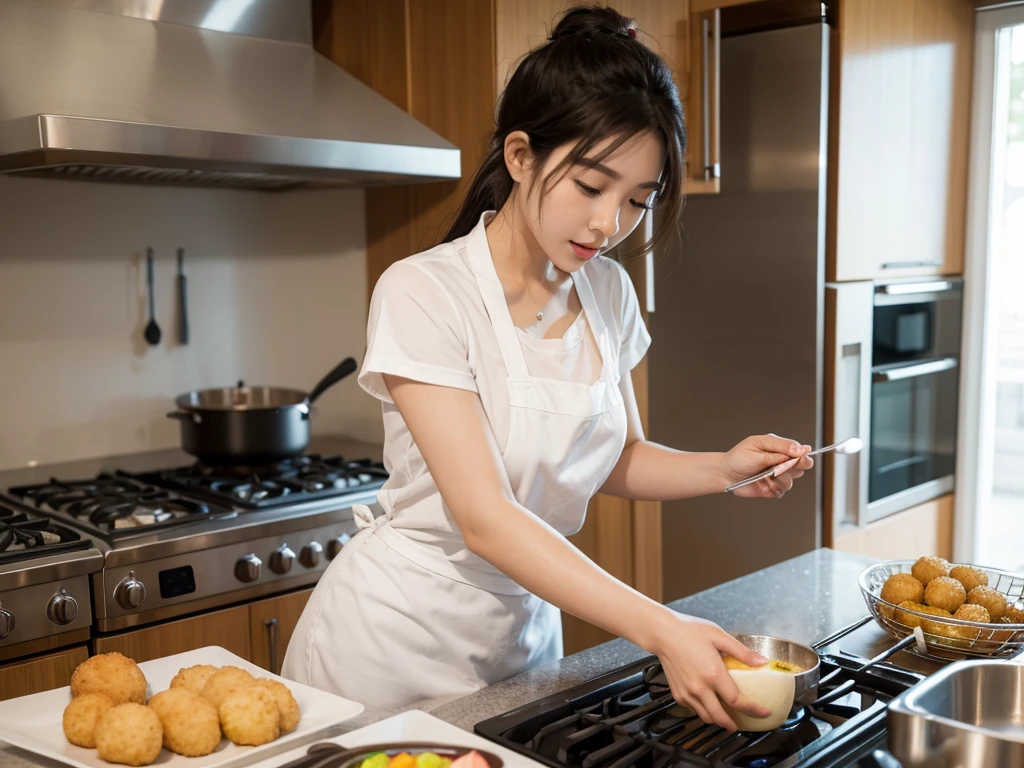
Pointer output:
193, 538
112, 506
628, 719
44, 582
304, 478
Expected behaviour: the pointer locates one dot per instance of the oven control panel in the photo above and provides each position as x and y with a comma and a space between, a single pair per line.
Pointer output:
211, 578
44, 610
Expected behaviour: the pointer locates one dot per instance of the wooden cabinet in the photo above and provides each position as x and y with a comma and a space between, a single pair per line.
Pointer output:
271, 623
228, 628
901, 84
926, 529
43, 673
702, 98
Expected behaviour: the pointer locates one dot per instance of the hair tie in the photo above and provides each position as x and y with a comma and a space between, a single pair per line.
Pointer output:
631, 32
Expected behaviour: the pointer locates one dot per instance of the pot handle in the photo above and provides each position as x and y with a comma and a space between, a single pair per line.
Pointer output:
343, 369
183, 416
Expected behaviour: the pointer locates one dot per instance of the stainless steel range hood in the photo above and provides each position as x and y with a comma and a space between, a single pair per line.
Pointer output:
196, 92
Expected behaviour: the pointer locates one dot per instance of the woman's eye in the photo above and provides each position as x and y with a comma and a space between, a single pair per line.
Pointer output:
588, 191
641, 206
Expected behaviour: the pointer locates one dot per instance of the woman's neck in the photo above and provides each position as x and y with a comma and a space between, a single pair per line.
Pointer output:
518, 258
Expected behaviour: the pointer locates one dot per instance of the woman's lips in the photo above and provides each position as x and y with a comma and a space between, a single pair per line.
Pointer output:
583, 252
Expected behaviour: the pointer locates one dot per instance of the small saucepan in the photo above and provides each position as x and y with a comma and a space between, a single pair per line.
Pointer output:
776, 690
250, 425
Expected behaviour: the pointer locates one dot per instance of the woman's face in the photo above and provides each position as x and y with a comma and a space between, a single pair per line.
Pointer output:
594, 205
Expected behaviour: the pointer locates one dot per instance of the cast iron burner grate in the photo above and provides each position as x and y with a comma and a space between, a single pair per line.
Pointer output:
305, 478
118, 506
24, 536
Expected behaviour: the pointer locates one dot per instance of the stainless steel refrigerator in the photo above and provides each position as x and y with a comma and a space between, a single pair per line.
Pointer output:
739, 307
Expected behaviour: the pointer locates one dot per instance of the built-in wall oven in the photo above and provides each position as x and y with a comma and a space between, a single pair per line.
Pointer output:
894, 376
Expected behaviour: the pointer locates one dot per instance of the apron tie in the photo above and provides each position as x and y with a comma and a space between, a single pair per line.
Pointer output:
364, 518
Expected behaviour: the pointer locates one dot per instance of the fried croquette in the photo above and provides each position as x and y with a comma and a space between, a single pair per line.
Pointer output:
993, 601
225, 681
81, 715
946, 593
969, 576
1015, 613
250, 716
289, 708
910, 620
972, 612
928, 568
191, 723
115, 676
130, 734
901, 587
194, 678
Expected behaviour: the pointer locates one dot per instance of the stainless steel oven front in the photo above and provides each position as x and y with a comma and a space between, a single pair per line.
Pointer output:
895, 370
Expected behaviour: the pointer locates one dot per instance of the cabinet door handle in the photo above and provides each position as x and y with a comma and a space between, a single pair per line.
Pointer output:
271, 625
711, 169
910, 264
905, 289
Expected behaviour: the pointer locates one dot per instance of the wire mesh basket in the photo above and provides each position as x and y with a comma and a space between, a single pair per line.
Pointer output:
947, 639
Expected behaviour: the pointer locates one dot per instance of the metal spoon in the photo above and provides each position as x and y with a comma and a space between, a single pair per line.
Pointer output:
152, 332
849, 446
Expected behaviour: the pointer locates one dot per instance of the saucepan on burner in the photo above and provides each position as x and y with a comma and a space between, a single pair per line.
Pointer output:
792, 672
250, 425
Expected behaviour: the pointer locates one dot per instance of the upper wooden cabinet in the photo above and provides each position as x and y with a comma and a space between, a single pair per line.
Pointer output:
898, 152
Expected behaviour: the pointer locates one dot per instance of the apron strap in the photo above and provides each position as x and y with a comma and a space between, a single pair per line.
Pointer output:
596, 319
493, 295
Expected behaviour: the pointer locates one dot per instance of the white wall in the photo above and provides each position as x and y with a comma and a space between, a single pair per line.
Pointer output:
277, 296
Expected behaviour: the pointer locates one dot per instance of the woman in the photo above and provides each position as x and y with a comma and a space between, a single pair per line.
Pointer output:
502, 360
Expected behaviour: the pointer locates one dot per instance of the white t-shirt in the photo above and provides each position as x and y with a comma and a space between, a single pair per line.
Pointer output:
428, 323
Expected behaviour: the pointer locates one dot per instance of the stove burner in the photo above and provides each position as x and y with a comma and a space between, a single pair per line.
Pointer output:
24, 536
114, 506
300, 479
628, 719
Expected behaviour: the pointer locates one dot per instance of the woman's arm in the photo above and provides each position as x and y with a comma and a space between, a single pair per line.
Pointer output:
648, 471
451, 431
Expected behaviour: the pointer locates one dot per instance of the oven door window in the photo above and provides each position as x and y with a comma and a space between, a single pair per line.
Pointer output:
913, 427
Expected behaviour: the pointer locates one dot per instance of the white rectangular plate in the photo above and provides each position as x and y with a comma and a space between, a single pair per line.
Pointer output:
35, 723
411, 726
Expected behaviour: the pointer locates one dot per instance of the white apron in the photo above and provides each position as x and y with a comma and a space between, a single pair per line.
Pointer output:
397, 618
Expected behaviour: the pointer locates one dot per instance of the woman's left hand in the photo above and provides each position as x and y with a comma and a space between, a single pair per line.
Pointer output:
758, 453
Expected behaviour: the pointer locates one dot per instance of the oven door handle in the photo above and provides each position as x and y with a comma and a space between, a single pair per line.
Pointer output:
913, 371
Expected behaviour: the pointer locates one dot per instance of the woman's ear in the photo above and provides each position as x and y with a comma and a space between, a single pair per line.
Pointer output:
518, 156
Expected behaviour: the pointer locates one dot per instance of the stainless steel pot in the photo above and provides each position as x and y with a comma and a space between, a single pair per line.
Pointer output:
777, 649
250, 425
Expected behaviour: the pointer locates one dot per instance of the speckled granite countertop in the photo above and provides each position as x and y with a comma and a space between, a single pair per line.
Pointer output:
804, 599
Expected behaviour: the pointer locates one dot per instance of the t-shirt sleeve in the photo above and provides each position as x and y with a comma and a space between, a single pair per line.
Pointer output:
635, 340
414, 331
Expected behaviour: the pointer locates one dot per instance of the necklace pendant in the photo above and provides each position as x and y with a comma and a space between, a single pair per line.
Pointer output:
540, 316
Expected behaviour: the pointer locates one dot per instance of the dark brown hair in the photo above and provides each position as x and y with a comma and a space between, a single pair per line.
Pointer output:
591, 80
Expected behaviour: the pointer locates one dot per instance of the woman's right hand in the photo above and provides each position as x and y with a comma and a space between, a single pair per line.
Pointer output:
690, 651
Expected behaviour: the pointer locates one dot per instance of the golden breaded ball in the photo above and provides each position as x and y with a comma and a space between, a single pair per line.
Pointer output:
928, 568
969, 576
946, 593
225, 681
194, 678
993, 601
115, 676
250, 716
1015, 613
130, 734
286, 703
972, 612
191, 723
81, 715
901, 587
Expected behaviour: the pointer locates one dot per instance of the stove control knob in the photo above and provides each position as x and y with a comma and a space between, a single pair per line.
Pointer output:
6, 623
281, 559
248, 568
311, 554
130, 592
62, 608
334, 545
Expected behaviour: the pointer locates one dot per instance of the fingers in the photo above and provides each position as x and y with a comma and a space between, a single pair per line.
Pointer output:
713, 705
695, 704
726, 643
783, 447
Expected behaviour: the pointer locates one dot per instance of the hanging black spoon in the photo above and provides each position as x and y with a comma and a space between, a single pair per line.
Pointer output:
152, 332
